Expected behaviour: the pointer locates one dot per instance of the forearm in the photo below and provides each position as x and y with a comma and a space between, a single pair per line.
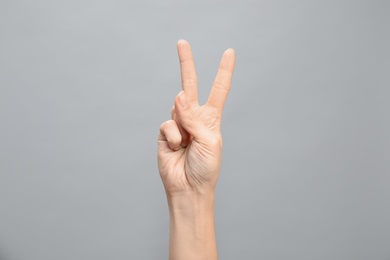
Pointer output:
192, 232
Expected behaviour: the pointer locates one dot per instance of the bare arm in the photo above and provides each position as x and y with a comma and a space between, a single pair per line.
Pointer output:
189, 159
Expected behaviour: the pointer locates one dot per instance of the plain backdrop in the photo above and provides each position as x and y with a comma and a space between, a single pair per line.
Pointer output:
85, 85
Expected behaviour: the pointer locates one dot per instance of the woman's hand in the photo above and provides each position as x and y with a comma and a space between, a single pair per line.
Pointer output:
190, 144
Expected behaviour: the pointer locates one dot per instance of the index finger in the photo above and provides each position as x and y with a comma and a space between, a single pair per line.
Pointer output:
222, 81
189, 80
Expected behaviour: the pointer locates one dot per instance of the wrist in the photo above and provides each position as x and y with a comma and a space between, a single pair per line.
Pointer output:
191, 204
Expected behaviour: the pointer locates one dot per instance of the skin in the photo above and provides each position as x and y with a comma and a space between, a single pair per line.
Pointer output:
189, 159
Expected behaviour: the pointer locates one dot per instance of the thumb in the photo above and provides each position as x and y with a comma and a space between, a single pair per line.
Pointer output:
187, 118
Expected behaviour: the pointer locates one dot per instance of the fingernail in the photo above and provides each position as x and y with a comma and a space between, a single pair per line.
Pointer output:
230, 50
181, 41
182, 99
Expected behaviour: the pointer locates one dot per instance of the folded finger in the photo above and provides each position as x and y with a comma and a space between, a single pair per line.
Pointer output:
170, 132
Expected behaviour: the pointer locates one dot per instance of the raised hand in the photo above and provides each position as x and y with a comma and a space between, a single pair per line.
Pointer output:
190, 144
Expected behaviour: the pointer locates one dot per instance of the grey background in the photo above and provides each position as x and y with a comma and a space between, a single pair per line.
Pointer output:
86, 84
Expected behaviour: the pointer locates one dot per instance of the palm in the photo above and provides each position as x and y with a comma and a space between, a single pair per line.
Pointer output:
195, 162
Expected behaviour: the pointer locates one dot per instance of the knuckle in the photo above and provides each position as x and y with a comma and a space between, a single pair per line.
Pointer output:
170, 124
164, 126
221, 86
190, 81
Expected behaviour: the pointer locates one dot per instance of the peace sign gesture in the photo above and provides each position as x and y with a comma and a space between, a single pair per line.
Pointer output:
190, 144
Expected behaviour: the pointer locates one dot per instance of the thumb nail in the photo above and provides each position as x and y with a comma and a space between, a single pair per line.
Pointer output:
183, 100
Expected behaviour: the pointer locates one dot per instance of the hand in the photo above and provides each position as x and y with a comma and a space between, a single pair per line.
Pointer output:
190, 144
